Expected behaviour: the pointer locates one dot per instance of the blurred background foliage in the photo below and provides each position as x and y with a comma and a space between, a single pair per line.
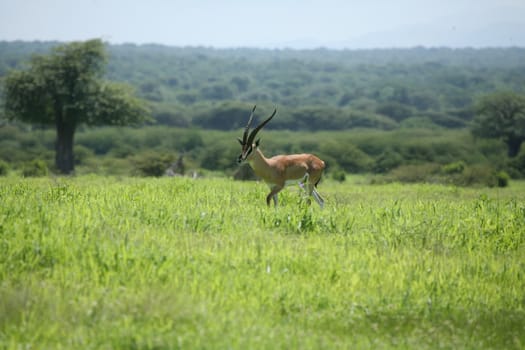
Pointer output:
387, 112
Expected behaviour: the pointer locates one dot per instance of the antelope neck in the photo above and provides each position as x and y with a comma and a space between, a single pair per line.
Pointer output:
258, 162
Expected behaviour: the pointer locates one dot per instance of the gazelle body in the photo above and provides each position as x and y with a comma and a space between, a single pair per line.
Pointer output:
278, 171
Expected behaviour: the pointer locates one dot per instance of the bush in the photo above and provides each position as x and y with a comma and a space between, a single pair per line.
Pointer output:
222, 156
152, 164
122, 151
349, 157
35, 168
387, 161
476, 175
10, 151
101, 140
244, 173
503, 179
339, 175
453, 168
81, 154
415, 173
418, 122
171, 118
4, 168
517, 164
455, 173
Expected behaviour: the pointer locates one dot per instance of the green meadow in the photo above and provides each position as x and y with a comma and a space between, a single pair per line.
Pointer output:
95, 262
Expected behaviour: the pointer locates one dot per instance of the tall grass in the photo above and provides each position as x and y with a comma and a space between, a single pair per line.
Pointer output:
109, 263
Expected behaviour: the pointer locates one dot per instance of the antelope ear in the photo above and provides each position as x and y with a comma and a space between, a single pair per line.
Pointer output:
257, 142
240, 141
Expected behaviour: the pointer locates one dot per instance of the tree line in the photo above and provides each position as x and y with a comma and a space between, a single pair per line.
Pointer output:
313, 89
317, 89
71, 86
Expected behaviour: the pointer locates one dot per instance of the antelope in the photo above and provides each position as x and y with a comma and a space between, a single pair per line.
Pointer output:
280, 170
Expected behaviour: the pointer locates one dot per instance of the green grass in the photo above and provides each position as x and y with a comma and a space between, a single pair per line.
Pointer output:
108, 263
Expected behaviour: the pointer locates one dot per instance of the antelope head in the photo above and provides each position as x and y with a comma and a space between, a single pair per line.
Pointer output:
247, 144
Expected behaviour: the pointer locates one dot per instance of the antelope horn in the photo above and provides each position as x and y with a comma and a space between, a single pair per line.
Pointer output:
259, 127
247, 128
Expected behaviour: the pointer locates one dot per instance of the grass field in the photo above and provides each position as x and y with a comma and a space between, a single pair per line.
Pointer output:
108, 263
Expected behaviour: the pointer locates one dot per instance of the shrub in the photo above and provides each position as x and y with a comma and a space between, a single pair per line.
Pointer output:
244, 173
11, 152
101, 140
415, 173
348, 156
455, 173
81, 154
503, 179
517, 164
476, 175
171, 118
387, 161
339, 175
35, 168
122, 151
222, 156
4, 168
453, 168
152, 164
418, 123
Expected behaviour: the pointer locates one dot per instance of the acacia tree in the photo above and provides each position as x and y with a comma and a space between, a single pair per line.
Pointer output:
501, 115
65, 88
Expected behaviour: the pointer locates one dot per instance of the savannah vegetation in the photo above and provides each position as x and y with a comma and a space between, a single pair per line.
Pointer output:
420, 111
157, 263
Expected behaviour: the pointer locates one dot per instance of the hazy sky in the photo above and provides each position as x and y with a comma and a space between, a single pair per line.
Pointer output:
269, 23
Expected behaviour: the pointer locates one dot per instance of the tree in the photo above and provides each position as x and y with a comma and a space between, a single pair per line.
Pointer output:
65, 88
226, 116
501, 115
